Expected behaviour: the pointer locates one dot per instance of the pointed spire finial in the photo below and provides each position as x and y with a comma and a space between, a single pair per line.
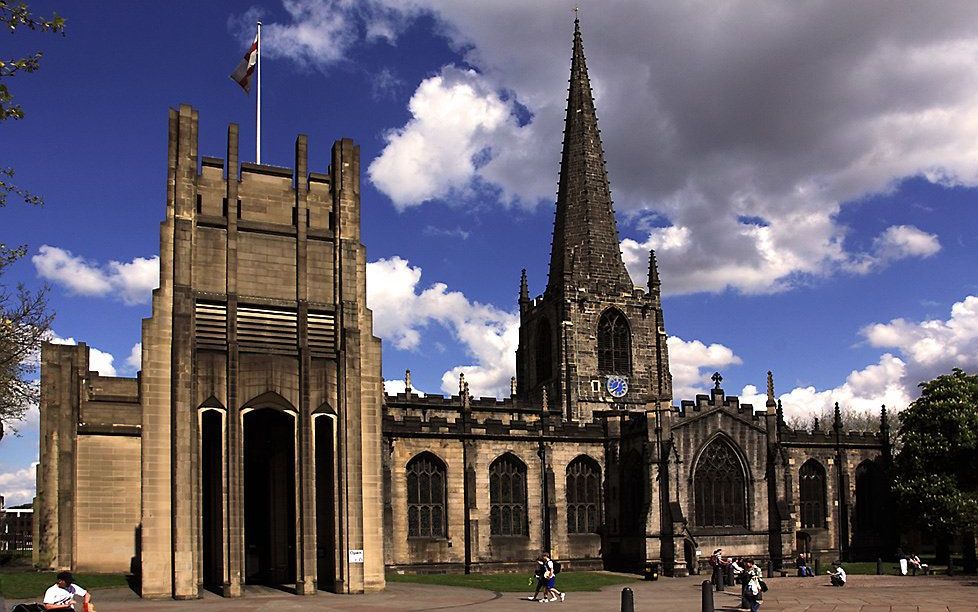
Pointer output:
461, 383
816, 425
407, 382
512, 386
524, 288
654, 284
780, 414
771, 403
884, 419
837, 417
545, 400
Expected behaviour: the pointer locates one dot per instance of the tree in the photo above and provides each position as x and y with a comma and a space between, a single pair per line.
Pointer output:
936, 470
24, 317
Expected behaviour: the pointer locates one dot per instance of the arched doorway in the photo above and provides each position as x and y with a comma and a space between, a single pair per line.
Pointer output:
325, 443
212, 497
269, 497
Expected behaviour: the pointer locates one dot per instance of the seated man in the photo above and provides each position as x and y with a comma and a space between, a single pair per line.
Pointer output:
838, 576
915, 564
61, 595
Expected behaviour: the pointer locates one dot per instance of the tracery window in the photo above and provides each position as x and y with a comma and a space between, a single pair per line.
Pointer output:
544, 352
507, 496
426, 497
583, 495
720, 487
811, 482
614, 343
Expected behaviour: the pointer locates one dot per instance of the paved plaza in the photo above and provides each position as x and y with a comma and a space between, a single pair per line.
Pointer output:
864, 594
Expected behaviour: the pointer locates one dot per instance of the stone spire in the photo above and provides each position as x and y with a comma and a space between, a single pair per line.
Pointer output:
655, 287
771, 402
524, 288
584, 221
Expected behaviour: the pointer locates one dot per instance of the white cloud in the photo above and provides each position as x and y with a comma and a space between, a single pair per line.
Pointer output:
17, 487
131, 282
692, 363
461, 132
321, 33
135, 359
98, 361
402, 311
393, 387
738, 127
897, 242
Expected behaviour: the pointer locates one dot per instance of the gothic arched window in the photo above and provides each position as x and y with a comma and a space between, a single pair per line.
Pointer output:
614, 343
507, 496
583, 495
720, 487
426, 497
811, 482
544, 351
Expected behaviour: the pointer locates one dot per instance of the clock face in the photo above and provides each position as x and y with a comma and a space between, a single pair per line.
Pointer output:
617, 386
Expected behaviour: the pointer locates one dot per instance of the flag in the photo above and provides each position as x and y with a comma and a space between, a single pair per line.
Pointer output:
242, 74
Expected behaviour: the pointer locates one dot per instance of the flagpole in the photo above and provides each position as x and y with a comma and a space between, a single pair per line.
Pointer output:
258, 102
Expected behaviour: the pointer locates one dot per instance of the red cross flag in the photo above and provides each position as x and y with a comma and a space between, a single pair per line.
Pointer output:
246, 68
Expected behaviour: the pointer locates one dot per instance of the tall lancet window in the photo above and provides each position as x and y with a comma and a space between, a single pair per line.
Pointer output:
720, 487
426, 497
507, 496
544, 352
812, 484
614, 343
583, 495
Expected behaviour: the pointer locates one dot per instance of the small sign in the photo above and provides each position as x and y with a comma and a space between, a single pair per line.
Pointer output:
356, 555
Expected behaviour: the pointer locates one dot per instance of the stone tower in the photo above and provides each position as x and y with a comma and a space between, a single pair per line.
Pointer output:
248, 449
593, 340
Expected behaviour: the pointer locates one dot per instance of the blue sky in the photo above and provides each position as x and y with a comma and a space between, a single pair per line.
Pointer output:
806, 174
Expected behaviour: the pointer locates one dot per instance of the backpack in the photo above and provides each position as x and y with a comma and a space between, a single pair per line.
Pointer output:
556, 567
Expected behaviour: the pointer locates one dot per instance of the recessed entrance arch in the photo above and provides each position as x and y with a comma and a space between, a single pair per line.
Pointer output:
324, 429
269, 497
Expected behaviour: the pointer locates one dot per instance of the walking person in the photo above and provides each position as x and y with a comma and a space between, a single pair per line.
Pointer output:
753, 589
550, 570
540, 580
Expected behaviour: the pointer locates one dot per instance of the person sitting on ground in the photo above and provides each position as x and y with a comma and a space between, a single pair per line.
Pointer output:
61, 595
915, 564
538, 577
803, 568
838, 576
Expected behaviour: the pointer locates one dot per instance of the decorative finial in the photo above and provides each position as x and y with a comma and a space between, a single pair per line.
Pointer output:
524, 288
466, 398
780, 414
884, 419
577, 11
816, 425
770, 386
837, 424
716, 378
654, 284
407, 381
545, 400
461, 383
512, 386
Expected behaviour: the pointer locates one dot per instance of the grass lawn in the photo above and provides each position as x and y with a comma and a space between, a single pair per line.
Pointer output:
29, 584
510, 583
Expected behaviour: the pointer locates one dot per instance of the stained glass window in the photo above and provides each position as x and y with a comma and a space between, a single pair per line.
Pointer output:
507, 496
583, 495
426, 497
720, 487
614, 343
812, 484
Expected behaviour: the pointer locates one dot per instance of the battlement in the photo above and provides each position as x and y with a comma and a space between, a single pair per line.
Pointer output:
406, 414
827, 436
716, 399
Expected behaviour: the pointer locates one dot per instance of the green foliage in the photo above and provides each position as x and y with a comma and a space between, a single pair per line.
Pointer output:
936, 477
515, 583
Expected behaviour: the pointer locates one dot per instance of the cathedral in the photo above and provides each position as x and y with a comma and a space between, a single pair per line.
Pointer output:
257, 446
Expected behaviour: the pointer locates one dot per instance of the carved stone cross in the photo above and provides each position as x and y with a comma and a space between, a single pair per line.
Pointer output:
716, 379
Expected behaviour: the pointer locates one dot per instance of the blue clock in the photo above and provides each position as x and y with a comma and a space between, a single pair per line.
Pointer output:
617, 386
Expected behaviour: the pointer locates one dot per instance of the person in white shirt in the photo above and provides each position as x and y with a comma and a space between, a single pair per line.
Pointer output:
838, 577
61, 596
